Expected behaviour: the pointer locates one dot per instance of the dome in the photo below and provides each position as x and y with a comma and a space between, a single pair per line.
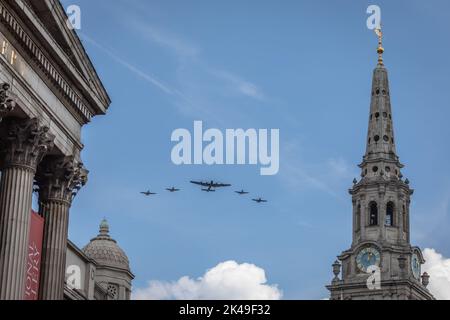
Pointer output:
105, 251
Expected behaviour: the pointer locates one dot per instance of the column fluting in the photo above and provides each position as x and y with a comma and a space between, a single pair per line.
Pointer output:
58, 179
23, 144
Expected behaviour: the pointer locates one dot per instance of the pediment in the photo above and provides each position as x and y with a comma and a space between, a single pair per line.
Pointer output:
65, 47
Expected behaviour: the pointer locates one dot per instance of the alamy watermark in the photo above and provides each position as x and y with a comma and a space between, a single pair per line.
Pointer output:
235, 147
73, 277
374, 280
73, 17
374, 20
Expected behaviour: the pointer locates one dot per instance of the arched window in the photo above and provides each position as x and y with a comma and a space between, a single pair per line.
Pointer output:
373, 214
390, 208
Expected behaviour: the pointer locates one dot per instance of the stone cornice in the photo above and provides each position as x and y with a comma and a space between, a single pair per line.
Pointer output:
395, 161
128, 272
385, 285
45, 65
374, 183
385, 247
79, 50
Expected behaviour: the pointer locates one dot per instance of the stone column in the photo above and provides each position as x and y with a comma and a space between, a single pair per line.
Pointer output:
24, 143
364, 217
399, 214
355, 227
58, 180
408, 226
382, 217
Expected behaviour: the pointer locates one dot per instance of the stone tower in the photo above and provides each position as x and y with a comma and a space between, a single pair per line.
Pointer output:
113, 268
381, 262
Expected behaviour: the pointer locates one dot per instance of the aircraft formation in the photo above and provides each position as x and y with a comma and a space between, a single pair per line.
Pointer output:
210, 186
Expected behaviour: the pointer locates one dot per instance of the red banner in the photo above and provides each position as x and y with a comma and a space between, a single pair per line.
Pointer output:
34, 257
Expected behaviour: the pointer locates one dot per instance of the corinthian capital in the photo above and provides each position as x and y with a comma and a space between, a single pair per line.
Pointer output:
60, 178
6, 103
24, 143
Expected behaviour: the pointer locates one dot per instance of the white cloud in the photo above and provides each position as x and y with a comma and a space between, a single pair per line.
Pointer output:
438, 268
226, 281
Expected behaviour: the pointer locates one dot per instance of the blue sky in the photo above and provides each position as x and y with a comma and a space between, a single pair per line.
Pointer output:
303, 67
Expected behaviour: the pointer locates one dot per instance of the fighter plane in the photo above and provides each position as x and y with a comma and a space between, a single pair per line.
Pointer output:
242, 192
259, 200
210, 186
173, 189
148, 193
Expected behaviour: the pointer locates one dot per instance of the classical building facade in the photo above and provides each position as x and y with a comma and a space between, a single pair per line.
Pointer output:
99, 271
49, 90
381, 263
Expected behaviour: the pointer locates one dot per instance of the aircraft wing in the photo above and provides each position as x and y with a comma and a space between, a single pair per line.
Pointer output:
221, 185
203, 184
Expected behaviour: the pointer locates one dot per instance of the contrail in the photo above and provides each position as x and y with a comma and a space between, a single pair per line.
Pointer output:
149, 78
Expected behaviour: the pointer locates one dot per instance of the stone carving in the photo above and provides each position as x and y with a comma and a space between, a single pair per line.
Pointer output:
336, 271
425, 279
60, 178
24, 143
6, 104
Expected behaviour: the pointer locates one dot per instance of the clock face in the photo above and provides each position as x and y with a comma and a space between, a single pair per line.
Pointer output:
415, 265
368, 257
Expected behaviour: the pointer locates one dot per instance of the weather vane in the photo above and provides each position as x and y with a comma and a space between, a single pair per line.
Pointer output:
380, 49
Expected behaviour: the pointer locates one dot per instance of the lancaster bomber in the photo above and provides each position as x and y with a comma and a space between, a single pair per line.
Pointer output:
210, 186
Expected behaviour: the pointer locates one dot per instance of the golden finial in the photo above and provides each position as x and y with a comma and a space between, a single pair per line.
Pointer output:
380, 49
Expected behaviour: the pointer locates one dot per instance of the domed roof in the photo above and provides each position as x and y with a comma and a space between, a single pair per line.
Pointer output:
105, 251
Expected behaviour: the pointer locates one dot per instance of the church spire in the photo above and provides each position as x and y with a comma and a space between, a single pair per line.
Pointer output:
380, 49
381, 215
380, 149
